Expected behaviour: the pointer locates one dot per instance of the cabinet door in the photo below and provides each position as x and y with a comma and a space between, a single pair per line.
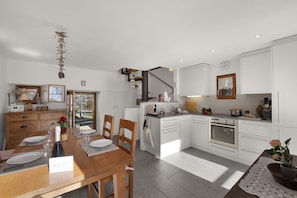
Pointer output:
200, 134
185, 132
169, 136
253, 138
255, 72
193, 80
284, 96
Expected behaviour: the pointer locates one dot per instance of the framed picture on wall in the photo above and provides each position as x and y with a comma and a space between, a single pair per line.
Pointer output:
226, 86
56, 93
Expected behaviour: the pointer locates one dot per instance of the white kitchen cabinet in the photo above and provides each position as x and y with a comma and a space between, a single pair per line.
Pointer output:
284, 80
200, 132
255, 72
194, 80
253, 139
169, 136
112, 103
185, 131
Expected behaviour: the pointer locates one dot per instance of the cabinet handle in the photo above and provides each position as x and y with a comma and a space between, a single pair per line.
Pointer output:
24, 127
24, 116
277, 107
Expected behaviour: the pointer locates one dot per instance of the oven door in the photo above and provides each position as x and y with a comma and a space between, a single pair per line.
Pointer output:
225, 135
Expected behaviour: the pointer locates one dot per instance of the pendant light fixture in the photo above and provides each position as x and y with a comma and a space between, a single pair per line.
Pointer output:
61, 52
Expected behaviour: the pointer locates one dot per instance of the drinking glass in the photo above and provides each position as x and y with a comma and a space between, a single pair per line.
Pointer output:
86, 139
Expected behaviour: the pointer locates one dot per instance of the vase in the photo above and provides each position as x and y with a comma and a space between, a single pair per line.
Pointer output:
289, 173
63, 129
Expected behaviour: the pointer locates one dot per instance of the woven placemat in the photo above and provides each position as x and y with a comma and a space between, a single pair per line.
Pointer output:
260, 182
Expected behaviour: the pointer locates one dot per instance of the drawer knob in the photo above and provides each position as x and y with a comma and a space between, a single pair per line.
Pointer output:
52, 115
24, 127
24, 116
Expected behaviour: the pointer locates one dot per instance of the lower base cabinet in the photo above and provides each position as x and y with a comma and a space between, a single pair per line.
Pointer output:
253, 139
200, 132
185, 131
169, 136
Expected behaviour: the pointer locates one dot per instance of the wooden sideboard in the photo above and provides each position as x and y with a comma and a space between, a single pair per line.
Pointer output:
27, 123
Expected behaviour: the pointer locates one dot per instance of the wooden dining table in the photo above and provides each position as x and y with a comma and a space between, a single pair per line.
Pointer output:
38, 182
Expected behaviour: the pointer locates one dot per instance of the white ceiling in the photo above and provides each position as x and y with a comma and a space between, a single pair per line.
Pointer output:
142, 34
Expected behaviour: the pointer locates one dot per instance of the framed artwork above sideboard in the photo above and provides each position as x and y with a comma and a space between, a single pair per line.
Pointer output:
32, 92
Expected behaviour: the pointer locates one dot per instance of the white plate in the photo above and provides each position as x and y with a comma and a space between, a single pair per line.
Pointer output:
87, 131
101, 143
34, 139
24, 158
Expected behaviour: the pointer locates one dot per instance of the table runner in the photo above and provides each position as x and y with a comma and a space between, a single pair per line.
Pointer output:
260, 182
79, 135
8, 168
33, 143
90, 151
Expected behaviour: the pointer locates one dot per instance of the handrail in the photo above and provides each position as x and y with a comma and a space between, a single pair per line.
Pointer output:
172, 91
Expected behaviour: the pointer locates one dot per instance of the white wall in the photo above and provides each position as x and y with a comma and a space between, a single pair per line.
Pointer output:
156, 87
3, 99
31, 73
21, 72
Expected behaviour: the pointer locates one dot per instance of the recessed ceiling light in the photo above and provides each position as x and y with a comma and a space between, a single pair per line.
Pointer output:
258, 36
181, 61
213, 51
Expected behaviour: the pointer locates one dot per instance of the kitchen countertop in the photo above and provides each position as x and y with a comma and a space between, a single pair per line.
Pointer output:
227, 116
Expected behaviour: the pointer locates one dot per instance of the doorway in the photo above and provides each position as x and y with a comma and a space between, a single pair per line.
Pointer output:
84, 108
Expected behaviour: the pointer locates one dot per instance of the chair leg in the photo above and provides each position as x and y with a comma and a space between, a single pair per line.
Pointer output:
131, 183
91, 191
101, 189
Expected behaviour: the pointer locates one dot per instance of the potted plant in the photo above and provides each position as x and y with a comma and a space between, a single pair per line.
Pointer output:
282, 153
63, 123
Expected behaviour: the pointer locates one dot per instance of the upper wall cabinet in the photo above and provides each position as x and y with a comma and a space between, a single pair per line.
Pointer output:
194, 80
255, 72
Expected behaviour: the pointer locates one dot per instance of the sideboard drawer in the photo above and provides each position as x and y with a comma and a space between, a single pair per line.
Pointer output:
45, 124
51, 116
24, 126
23, 117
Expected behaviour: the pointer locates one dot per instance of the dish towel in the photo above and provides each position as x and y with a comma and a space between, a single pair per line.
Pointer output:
148, 133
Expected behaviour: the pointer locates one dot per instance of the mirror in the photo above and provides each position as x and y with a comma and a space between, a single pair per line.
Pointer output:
56, 93
226, 86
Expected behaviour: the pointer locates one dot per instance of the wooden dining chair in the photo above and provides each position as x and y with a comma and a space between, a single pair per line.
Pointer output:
127, 142
108, 126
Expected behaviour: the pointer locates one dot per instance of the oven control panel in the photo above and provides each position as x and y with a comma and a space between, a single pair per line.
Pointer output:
226, 121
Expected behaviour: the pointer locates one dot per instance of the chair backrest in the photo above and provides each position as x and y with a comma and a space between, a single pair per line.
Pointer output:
127, 136
108, 127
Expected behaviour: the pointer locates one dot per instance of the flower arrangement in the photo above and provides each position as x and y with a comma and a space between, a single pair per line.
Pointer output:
281, 153
63, 122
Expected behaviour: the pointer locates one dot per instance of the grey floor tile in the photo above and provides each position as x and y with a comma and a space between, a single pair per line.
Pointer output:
154, 178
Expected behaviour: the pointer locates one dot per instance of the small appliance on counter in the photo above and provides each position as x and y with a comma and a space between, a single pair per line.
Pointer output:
16, 108
236, 112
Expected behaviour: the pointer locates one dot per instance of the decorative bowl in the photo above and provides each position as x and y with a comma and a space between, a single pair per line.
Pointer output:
275, 171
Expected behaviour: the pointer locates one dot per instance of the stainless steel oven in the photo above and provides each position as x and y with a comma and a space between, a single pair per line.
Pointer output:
223, 131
